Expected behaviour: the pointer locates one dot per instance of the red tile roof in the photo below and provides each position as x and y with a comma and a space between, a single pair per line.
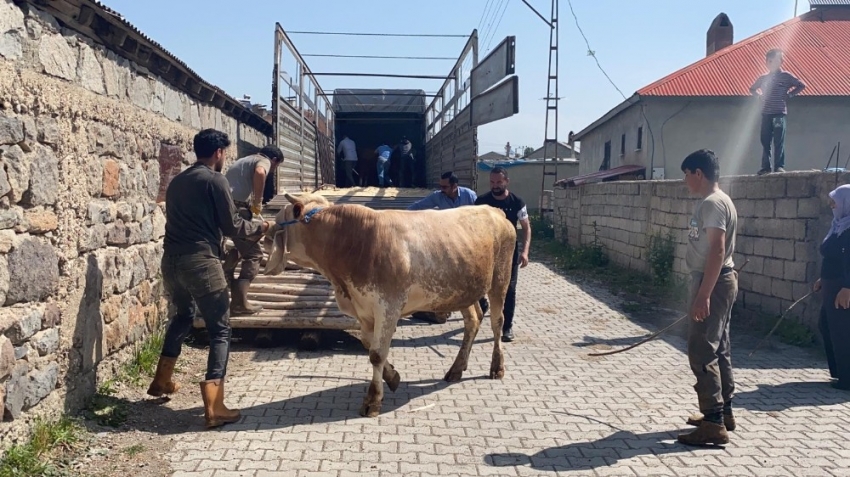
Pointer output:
817, 50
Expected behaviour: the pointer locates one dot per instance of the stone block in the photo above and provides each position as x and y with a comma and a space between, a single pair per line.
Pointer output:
173, 107
11, 130
102, 140
158, 219
48, 130
111, 178
16, 390
786, 208
115, 75
89, 70
17, 171
134, 233
800, 186
41, 221
27, 324
12, 31
22, 351
44, 176
783, 249
115, 334
41, 383
92, 238
800, 289
52, 316
763, 247
146, 230
117, 234
795, 271
763, 209
811, 208
124, 211
774, 268
46, 342
35, 266
7, 357
139, 90
157, 104
57, 57
102, 212
774, 187
781, 289
805, 252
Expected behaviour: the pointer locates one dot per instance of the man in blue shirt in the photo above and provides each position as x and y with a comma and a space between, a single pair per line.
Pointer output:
450, 196
383, 153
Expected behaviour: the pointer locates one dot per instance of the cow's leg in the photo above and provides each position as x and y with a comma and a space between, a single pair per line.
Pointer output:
472, 317
497, 319
390, 375
385, 324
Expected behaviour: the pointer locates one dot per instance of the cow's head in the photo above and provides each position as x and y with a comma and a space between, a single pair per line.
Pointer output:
287, 235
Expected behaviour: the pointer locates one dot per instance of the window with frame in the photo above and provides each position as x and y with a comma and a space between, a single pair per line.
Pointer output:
623, 145
606, 159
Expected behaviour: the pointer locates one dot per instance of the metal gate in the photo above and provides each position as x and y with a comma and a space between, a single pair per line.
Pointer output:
303, 121
470, 97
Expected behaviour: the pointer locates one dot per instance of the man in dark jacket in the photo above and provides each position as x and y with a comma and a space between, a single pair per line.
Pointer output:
199, 210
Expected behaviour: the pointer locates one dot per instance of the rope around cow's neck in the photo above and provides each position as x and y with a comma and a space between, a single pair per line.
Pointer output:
306, 219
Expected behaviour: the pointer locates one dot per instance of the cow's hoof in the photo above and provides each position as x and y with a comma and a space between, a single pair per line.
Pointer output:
453, 376
394, 381
370, 409
497, 373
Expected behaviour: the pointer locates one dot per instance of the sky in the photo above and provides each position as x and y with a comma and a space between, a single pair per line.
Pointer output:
231, 45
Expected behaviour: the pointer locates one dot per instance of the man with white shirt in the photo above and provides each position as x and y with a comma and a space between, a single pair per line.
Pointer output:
348, 150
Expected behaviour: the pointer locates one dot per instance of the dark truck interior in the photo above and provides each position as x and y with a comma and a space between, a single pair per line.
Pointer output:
372, 116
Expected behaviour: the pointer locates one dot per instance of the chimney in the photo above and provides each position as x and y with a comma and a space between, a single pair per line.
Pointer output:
720, 34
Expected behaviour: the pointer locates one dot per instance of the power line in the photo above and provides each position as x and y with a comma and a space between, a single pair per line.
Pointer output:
384, 57
419, 35
483, 14
487, 28
590, 51
493, 32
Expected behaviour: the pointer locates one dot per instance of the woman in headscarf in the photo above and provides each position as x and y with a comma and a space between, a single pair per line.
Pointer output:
835, 282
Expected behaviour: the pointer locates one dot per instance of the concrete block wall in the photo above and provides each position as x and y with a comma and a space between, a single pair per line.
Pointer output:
88, 143
782, 220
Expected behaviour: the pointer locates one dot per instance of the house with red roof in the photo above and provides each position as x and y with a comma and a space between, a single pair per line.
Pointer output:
708, 104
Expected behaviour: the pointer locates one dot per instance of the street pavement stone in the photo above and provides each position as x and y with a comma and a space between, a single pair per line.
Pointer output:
556, 412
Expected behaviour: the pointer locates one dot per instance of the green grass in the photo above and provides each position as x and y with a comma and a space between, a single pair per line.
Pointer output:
145, 357
48, 444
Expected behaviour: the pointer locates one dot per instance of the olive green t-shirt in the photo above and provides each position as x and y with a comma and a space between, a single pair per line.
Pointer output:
715, 211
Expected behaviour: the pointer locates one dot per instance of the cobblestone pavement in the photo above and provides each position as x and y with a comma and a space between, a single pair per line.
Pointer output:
557, 412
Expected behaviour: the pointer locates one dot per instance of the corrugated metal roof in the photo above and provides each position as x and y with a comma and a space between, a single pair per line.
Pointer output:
817, 3
817, 50
600, 176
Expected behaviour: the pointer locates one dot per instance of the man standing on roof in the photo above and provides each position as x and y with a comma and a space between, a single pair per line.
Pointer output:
776, 87
450, 196
247, 178
348, 150
384, 153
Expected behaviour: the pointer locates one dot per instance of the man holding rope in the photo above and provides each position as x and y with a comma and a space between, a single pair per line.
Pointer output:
714, 287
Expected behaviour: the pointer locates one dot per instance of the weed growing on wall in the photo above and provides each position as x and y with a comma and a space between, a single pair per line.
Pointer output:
661, 257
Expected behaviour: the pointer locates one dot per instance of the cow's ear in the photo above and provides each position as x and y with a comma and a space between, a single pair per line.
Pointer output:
297, 209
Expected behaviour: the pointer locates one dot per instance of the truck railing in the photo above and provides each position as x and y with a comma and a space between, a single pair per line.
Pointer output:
454, 94
303, 121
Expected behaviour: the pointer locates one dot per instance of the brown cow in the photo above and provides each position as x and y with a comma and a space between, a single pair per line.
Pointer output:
389, 263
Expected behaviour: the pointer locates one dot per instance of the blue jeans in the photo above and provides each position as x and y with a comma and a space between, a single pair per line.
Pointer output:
773, 129
383, 167
198, 279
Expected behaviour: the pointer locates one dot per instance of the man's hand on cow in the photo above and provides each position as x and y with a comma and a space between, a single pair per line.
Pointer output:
523, 260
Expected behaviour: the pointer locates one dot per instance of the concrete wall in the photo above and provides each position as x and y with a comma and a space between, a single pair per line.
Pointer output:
526, 180
781, 222
88, 143
728, 126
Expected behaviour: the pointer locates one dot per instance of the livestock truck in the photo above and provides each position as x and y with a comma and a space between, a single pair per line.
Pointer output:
308, 125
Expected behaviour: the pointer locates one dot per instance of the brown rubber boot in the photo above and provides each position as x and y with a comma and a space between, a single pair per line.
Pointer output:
708, 433
162, 383
728, 421
239, 299
215, 412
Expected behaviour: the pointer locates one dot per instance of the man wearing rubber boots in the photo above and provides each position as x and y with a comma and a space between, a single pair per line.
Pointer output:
714, 286
247, 178
199, 209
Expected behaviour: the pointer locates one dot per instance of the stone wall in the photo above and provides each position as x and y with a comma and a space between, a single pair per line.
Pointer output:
782, 220
88, 142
